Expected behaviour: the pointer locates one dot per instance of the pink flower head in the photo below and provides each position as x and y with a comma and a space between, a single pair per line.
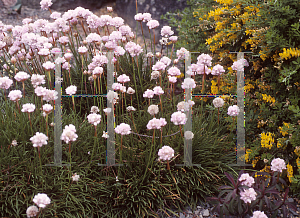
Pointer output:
139, 17
22, 76
40, 91
93, 21
28, 108
116, 86
47, 108
154, 124
71, 90
178, 118
166, 60
153, 109
204, 59
173, 38
133, 49
152, 24
218, 102
163, 121
277, 165
174, 71
94, 119
147, 17
117, 22
172, 79
248, 195
233, 110
158, 90
166, 31
32, 211
39, 139
48, 65
246, 179
123, 78
93, 37
259, 214
123, 129
37, 80
181, 53
148, 93
5, 82
44, 52
50, 95
45, 4
188, 83
202, 68
159, 66
98, 71
15, 95
217, 70
41, 200
165, 153
239, 65
69, 134
82, 50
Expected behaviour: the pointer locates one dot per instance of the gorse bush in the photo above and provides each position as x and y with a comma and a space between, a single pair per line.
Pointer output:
270, 30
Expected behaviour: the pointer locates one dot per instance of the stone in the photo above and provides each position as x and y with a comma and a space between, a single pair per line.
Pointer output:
127, 9
205, 212
181, 215
64, 5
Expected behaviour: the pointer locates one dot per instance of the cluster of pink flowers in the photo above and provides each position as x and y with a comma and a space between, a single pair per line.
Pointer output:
248, 195
28, 108
218, 102
69, 134
178, 118
233, 110
123, 129
188, 83
94, 118
71, 90
39, 139
246, 179
240, 64
133, 49
277, 165
22, 76
5, 82
165, 153
156, 123
15, 95
259, 214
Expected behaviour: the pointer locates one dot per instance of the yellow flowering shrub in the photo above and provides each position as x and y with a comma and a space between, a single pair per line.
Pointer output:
289, 53
267, 140
289, 172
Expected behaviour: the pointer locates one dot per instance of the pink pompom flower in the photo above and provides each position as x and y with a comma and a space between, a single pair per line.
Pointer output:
277, 165
248, 195
39, 139
178, 118
41, 200
233, 110
166, 153
123, 129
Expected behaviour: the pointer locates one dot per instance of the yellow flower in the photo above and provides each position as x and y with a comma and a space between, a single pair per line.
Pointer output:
266, 140
290, 53
254, 162
248, 151
284, 129
289, 172
297, 151
298, 162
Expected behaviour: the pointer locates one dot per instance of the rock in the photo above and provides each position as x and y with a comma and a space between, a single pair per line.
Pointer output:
127, 9
291, 200
205, 212
181, 215
64, 5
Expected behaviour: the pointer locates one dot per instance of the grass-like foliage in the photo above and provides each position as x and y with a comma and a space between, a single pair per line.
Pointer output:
147, 179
